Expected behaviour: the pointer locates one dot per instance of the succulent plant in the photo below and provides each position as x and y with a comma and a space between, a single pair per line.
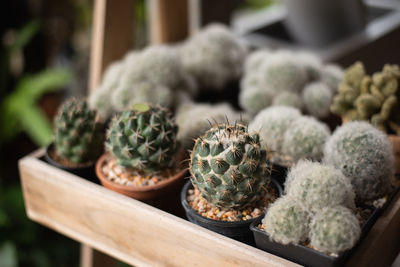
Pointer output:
317, 98
253, 99
288, 99
334, 229
213, 56
255, 59
78, 136
363, 154
317, 186
272, 124
312, 64
143, 138
305, 139
286, 221
332, 75
281, 72
229, 166
99, 100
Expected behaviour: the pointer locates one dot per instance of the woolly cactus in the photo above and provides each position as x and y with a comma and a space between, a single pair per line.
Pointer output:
317, 98
288, 99
334, 229
229, 167
193, 120
363, 154
143, 138
213, 56
253, 99
78, 137
312, 64
255, 59
317, 186
332, 75
281, 72
305, 139
286, 221
272, 124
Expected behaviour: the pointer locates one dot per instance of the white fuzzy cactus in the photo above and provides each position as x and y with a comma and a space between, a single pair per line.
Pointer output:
272, 124
289, 99
317, 98
255, 59
317, 186
305, 139
286, 221
332, 75
364, 154
334, 229
253, 99
312, 63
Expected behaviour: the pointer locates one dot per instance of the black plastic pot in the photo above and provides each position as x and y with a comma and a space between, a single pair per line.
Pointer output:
237, 230
86, 172
279, 173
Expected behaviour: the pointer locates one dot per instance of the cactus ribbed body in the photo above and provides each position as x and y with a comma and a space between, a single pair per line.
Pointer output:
229, 166
78, 137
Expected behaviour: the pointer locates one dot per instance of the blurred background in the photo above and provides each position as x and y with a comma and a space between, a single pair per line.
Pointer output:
44, 58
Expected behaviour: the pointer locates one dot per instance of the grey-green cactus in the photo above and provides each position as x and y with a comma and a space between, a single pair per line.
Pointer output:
78, 136
363, 154
317, 98
289, 99
317, 186
229, 166
253, 99
312, 64
305, 139
286, 221
332, 75
143, 138
334, 230
255, 59
272, 124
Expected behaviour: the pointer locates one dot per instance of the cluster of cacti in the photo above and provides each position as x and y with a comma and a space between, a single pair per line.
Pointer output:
317, 186
287, 133
78, 136
334, 229
316, 207
194, 119
143, 138
364, 155
229, 166
279, 78
305, 139
287, 221
375, 99
213, 56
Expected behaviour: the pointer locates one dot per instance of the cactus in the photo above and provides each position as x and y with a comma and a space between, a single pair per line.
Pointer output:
288, 99
317, 186
143, 138
272, 124
363, 154
332, 75
334, 229
305, 139
255, 59
229, 167
281, 72
78, 137
312, 64
317, 98
286, 221
253, 99
213, 57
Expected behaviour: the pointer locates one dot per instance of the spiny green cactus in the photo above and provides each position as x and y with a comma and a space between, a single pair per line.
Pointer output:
143, 138
334, 229
229, 166
363, 154
317, 186
305, 139
286, 221
272, 124
317, 98
78, 136
288, 99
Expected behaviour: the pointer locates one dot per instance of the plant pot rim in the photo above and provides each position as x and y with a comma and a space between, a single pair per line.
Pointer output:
198, 217
55, 163
132, 188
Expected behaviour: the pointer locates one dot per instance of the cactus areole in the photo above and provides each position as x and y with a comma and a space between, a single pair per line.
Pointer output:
229, 166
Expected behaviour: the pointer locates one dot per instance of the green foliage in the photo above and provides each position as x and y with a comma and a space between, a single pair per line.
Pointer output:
228, 166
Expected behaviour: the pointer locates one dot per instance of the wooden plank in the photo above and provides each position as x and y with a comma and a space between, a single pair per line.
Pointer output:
93, 258
125, 228
168, 20
112, 35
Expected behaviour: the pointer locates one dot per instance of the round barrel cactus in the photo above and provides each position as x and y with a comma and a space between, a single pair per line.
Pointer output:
228, 166
78, 136
143, 138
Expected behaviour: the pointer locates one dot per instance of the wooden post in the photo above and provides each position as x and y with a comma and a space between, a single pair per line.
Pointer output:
168, 20
112, 35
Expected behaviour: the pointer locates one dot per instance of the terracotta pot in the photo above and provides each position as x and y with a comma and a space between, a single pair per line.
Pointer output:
164, 195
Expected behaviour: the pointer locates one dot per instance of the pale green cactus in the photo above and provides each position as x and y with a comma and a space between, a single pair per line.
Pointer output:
317, 98
289, 99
